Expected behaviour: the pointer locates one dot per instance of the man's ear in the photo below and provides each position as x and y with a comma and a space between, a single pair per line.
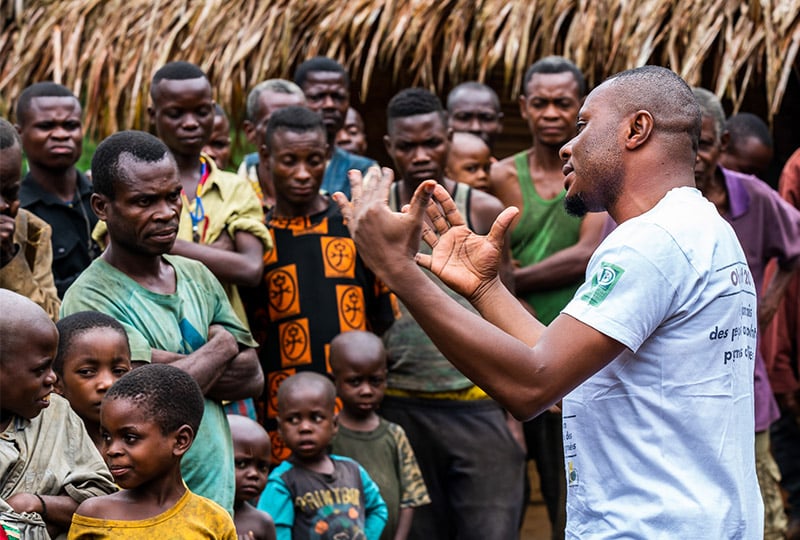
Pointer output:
151, 112
99, 204
183, 438
639, 128
724, 140
387, 143
263, 155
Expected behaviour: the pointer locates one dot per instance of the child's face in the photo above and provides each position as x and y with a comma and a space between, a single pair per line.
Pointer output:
26, 374
360, 384
133, 446
469, 164
219, 145
183, 113
95, 360
252, 453
306, 422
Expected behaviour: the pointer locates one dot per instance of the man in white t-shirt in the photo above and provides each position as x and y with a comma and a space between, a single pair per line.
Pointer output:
654, 355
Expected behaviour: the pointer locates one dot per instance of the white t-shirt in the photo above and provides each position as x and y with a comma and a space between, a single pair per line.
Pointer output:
660, 443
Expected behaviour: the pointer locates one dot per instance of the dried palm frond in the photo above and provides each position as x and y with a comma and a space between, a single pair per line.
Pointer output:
107, 50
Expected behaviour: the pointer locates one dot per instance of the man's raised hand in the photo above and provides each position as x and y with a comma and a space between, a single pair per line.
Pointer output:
467, 262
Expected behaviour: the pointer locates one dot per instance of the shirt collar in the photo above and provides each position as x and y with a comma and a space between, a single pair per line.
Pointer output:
738, 197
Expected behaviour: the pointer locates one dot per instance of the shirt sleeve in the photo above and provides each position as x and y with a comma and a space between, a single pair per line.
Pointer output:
30, 272
413, 491
276, 500
375, 510
613, 301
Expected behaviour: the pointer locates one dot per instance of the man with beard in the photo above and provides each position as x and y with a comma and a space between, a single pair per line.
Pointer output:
551, 248
653, 357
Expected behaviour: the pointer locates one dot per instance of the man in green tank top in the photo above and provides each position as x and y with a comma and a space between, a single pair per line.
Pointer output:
460, 436
550, 247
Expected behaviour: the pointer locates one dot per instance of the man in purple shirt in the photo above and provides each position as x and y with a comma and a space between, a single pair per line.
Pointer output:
767, 227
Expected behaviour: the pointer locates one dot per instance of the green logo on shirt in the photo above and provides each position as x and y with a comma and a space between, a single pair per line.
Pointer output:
602, 283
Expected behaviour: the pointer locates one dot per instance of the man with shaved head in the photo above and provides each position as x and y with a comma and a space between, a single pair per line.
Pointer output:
48, 463
654, 355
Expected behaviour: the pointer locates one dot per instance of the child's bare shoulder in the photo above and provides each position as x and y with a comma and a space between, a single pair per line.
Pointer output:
252, 520
102, 507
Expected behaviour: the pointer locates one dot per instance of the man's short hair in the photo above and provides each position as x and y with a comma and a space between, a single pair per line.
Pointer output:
476, 87
8, 135
176, 71
73, 325
277, 86
319, 63
665, 95
554, 64
37, 90
413, 102
743, 125
294, 118
168, 396
106, 170
711, 106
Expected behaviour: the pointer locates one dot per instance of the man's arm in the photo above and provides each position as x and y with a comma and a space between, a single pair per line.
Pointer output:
206, 364
773, 293
223, 373
565, 266
56, 512
531, 368
243, 264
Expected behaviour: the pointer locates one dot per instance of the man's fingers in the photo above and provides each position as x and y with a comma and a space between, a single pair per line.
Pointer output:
356, 185
429, 237
420, 199
451, 213
501, 224
423, 260
344, 205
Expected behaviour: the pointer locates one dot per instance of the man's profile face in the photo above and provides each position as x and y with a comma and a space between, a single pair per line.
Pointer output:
52, 132
183, 114
475, 111
297, 165
327, 94
418, 146
144, 215
593, 158
708, 153
550, 106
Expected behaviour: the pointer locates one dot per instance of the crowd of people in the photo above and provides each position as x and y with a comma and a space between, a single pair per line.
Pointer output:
317, 347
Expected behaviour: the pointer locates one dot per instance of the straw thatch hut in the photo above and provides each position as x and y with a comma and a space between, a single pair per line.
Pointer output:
106, 50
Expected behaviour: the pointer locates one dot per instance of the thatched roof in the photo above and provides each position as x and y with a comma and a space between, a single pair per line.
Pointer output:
107, 50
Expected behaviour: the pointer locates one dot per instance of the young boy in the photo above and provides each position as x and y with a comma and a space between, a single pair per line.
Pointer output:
148, 421
93, 353
469, 160
358, 361
252, 453
48, 464
218, 146
26, 254
314, 494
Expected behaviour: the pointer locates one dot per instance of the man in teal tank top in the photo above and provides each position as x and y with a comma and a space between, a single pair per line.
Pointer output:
550, 247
